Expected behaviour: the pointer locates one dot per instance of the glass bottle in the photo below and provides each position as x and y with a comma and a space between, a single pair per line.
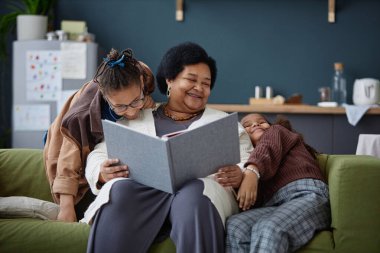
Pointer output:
339, 90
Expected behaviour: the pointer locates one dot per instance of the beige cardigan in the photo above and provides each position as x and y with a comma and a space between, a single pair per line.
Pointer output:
222, 198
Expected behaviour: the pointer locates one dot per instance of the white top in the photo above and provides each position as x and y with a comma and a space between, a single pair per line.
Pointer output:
369, 144
222, 198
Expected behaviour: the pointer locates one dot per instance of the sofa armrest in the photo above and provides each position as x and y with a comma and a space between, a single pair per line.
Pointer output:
354, 183
22, 173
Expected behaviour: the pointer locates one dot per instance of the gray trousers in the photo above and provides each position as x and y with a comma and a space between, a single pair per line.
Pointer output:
136, 214
286, 223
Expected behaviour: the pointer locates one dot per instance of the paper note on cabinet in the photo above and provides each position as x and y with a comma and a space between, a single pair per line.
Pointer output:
31, 117
74, 62
43, 75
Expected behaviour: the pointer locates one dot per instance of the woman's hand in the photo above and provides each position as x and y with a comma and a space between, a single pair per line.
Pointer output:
110, 169
248, 190
66, 208
229, 176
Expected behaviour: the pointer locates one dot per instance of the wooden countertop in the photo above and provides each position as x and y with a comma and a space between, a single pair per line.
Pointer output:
286, 108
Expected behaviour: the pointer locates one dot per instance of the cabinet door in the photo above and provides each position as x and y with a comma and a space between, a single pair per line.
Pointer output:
345, 136
316, 129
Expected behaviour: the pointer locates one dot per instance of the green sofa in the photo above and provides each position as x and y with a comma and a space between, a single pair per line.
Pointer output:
354, 183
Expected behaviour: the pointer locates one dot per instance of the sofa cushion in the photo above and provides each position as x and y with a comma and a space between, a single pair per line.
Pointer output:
322, 242
33, 235
22, 173
25, 207
354, 183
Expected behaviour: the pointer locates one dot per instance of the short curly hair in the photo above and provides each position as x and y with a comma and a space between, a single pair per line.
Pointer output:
175, 60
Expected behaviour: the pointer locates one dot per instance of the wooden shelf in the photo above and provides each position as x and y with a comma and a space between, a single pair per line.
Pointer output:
285, 109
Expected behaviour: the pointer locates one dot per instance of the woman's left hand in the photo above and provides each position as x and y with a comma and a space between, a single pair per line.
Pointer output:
229, 176
111, 169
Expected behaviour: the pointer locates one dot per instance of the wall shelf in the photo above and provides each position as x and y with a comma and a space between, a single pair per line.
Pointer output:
179, 14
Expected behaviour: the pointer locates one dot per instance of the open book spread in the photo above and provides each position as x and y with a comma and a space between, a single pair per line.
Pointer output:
167, 163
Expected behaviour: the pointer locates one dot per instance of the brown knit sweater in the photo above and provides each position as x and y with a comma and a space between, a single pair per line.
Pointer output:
281, 158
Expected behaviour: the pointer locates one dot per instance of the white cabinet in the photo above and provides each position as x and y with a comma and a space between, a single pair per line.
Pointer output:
34, 138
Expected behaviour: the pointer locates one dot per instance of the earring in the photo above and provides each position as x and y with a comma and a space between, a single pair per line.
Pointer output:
168, 91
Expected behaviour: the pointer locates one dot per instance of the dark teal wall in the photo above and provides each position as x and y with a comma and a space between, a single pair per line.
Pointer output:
287, 44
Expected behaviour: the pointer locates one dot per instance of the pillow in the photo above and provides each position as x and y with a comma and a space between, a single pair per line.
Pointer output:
25, 207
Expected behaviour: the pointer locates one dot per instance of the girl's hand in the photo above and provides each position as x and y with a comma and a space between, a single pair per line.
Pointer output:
248, 190
229, 176
110, 169
66, 208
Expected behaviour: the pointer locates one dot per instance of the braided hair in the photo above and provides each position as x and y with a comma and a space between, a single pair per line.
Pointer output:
118, 71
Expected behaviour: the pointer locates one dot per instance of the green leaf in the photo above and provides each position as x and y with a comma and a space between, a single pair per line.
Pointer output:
7, 24
17, 7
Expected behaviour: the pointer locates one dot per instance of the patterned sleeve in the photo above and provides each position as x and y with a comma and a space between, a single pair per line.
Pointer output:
273, 146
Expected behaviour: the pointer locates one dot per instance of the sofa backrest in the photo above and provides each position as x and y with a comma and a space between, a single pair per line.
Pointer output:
354, 185
22, 173
322, 161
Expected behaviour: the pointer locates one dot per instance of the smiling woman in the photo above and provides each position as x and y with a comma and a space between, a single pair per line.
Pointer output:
140, 215
186, 82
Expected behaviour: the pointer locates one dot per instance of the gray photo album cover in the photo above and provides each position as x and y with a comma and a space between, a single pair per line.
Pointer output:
167, 163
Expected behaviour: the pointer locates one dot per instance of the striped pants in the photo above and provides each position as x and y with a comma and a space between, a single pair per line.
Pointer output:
285, 223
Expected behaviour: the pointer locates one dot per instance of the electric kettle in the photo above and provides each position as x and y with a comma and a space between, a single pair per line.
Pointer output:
366, 91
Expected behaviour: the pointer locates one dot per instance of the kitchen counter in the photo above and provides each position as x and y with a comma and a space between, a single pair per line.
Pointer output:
286, 108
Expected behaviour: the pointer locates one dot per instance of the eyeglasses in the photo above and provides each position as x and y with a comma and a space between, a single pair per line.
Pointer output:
122, 108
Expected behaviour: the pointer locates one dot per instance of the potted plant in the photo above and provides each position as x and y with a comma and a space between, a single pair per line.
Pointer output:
24, 12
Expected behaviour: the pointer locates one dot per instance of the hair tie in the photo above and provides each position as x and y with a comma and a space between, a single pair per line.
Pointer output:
113, 63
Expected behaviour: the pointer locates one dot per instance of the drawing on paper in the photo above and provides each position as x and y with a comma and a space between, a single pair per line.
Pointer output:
43, 75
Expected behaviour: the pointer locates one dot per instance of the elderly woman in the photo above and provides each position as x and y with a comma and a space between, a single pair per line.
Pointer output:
128, 216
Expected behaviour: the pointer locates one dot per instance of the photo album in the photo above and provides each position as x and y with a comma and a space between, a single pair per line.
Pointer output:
168, 162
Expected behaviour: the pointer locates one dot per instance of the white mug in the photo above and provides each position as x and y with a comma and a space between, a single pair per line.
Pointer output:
366, 91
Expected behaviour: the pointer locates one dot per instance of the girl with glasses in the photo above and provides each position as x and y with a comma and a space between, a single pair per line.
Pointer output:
120, 88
